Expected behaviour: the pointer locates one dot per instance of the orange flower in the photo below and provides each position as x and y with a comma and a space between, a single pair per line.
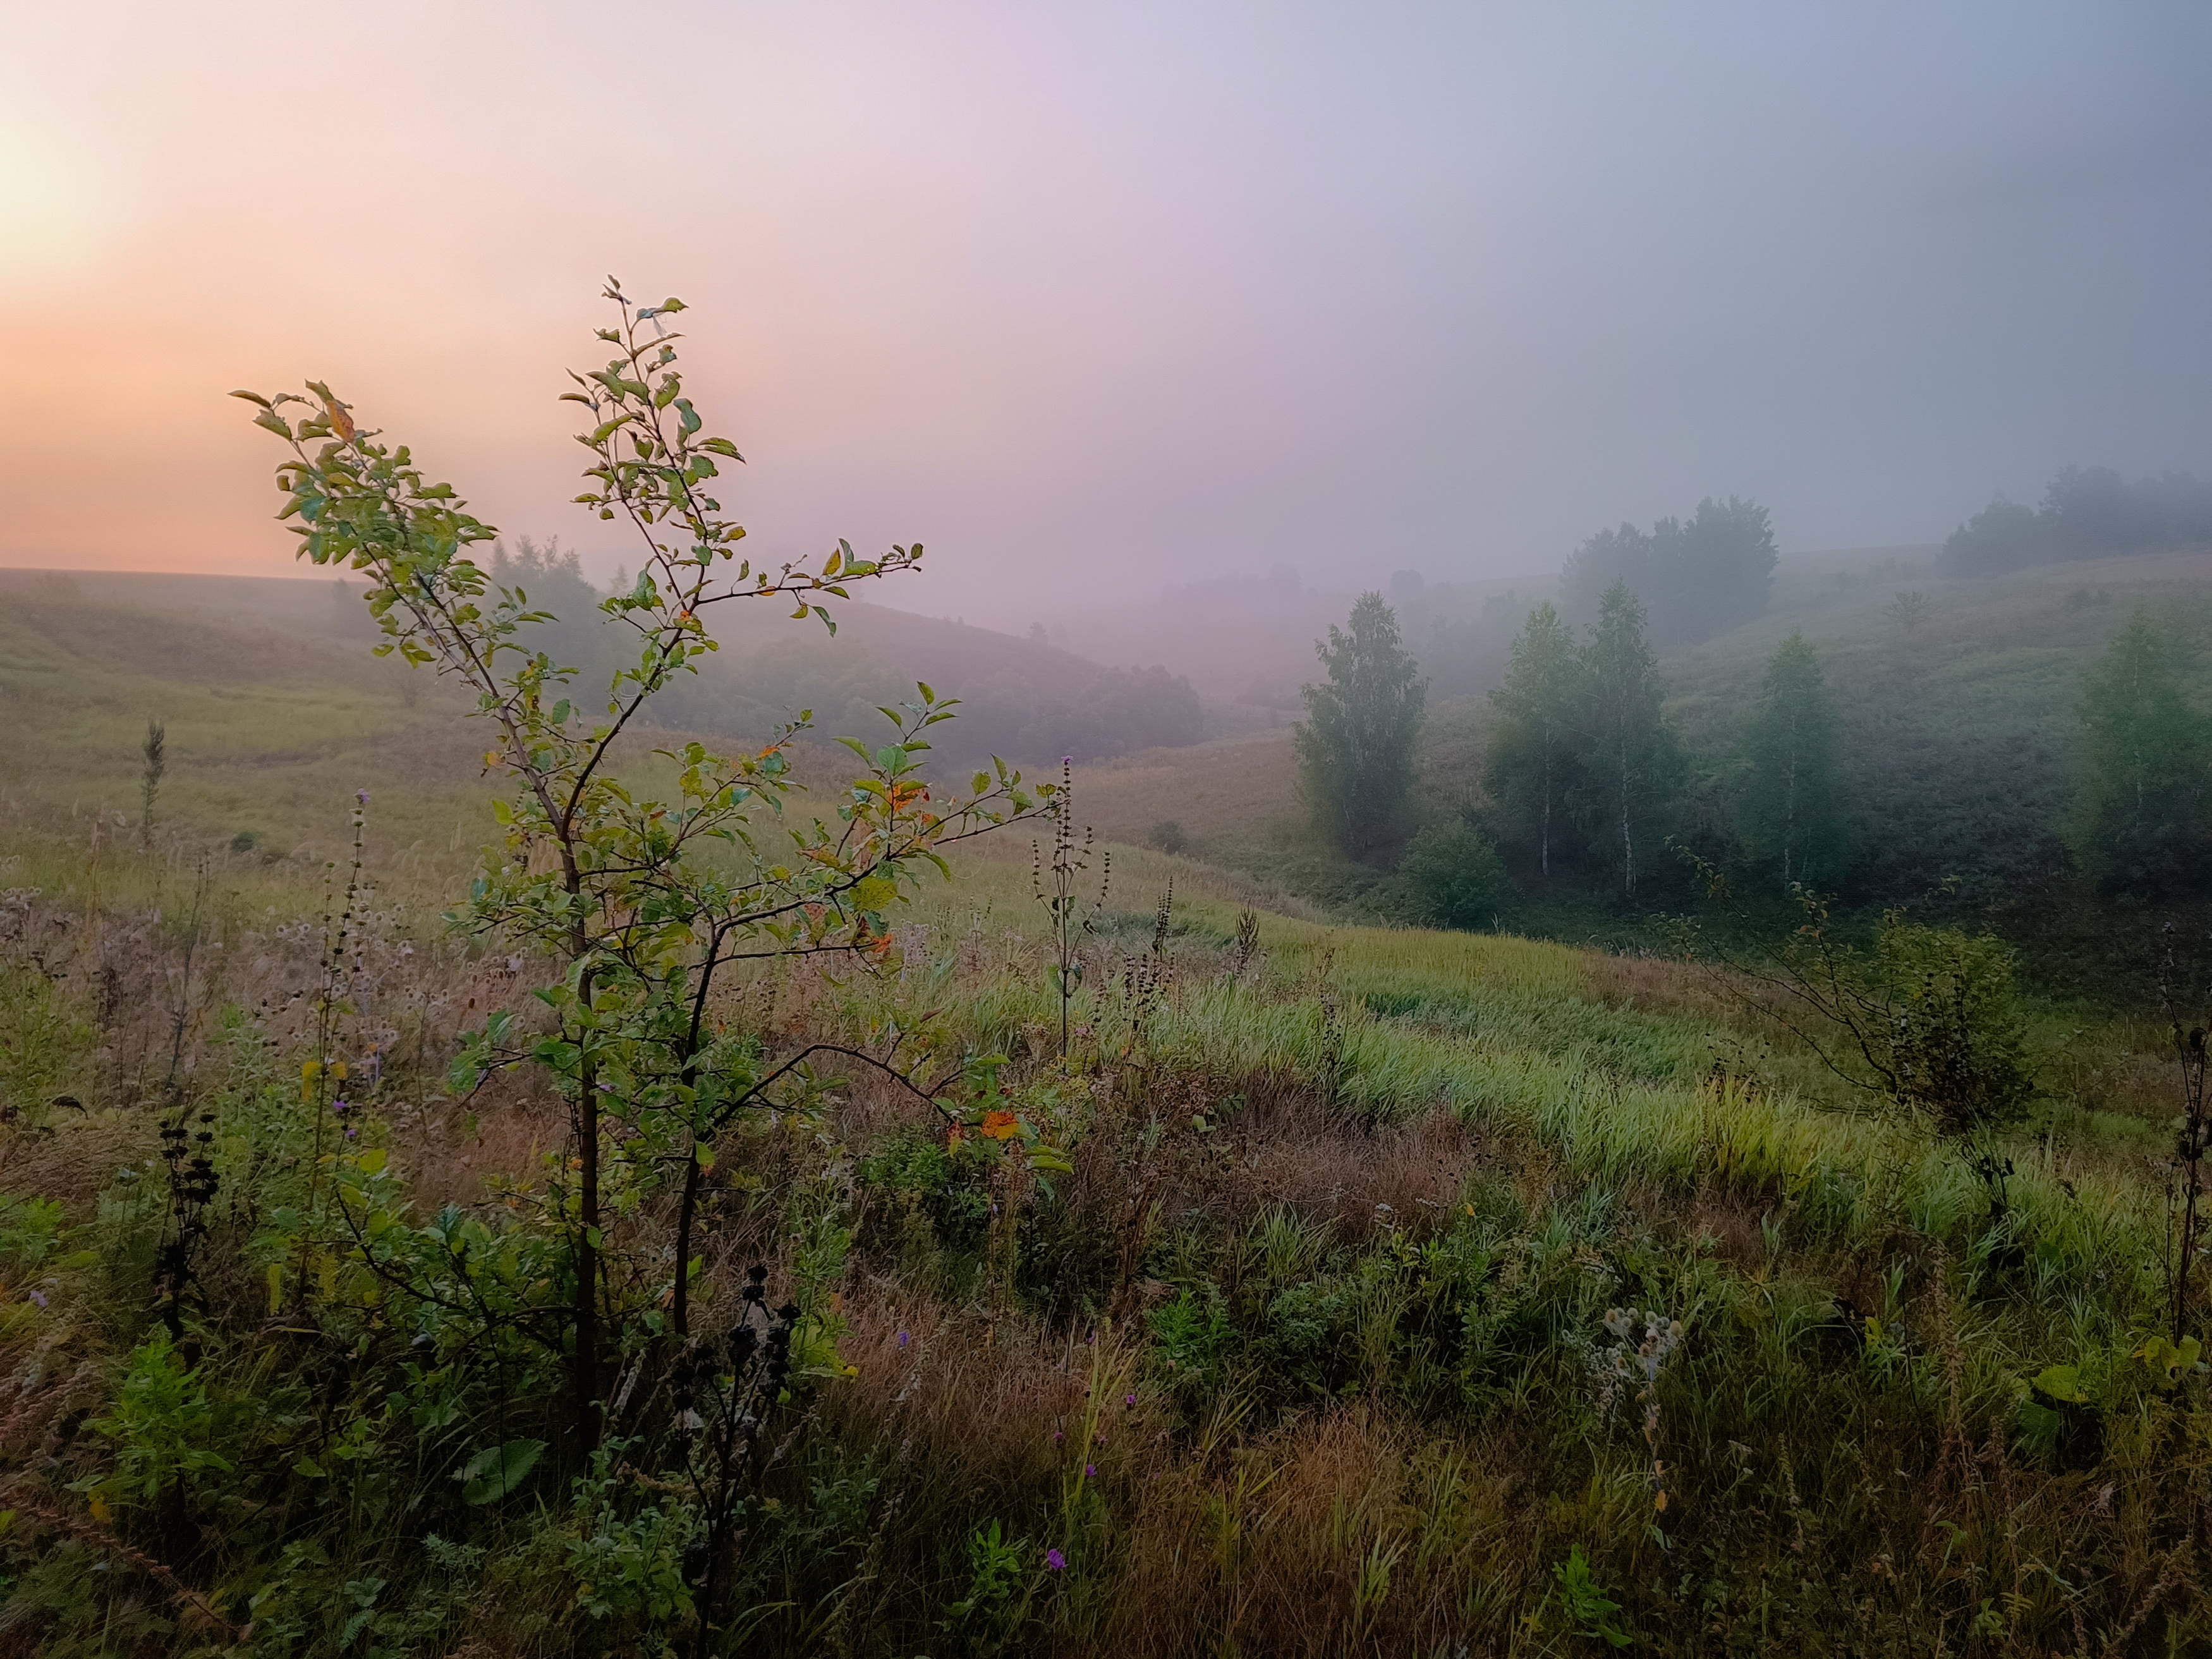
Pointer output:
1000, 1126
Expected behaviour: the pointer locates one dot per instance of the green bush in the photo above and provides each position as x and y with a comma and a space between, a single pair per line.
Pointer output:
1454, 876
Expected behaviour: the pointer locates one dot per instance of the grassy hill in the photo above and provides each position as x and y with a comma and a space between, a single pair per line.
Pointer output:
274, 709
1377, 1291
1958, 745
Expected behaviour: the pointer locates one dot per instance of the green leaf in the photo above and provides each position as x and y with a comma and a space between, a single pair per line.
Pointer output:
491, 1475
2062, 1382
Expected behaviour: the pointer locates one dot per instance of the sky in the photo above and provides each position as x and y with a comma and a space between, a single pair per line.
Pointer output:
1095, 298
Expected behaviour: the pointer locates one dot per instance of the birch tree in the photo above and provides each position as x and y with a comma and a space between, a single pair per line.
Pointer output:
1632, 759
2142, 796
1531, 759
1790, 820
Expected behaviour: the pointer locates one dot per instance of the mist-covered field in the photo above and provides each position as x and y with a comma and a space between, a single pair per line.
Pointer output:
1337, 1284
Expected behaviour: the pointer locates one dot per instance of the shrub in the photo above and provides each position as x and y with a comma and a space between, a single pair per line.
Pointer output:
1454, 875
1167, 837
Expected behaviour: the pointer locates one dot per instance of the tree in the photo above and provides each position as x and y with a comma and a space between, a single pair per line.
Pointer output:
1610, 556
641, 901
1909, 610
1454, 875
2003, 536
1790, 819
1631, 758
1695, 578
1355, 748
2087, 513
1714, 572
1530, 763
2141, 792
1928, 1017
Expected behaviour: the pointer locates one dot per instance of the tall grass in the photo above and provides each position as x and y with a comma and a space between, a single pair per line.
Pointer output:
1305, 1351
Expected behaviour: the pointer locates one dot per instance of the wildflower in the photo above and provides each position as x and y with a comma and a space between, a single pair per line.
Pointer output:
1128, 1400
339, 1107
1054, 1561
1059, 1435
39, 1297
1000, 1126
353, 1135
1090, 1469
362, 795
902, 1339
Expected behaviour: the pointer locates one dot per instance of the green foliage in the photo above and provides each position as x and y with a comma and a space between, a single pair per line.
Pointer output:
1928, 1017
156, 751
45, 1042
1355, 749
1792, 812
1589, 1606
498, 1470
627, 1558
642, 901
1694, 579
2142, 772
30, 1228
1953, 1041
2087, 513
1193, 1332
162, 1424
998, 1572
1455, 875
1529, 767
1631, 760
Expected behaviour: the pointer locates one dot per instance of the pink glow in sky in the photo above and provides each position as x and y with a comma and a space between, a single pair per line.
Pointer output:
1093, 298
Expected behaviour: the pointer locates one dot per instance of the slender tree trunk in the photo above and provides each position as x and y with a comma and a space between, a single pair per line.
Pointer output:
686, 1215
1544, 822
586, 1374
1627, 840
1789, 807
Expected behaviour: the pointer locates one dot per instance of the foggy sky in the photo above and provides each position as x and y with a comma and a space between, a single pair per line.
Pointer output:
1089, 298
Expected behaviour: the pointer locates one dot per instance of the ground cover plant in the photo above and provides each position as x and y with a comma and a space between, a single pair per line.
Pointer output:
1324, 1289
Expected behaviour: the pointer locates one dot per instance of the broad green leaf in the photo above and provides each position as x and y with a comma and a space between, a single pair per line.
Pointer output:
491, 1474
2063, 1383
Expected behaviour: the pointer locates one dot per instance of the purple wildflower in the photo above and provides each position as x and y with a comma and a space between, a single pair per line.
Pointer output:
902, 1339
1059, 1435
1128, 1400
1054, 1561
1090, 1469
39, 1297
353, 1134
339, 1107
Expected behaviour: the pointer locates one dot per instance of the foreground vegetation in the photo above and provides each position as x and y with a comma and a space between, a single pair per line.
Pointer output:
1347, 1328
746, 1221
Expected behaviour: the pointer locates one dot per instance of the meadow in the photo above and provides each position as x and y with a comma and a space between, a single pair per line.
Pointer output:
1349, 1289
1958, 750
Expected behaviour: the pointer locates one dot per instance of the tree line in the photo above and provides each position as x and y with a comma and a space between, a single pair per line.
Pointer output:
1587, 782
2087, 513
1016, 699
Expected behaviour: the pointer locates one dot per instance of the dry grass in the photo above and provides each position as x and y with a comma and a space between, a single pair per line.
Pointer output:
1398, 1435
